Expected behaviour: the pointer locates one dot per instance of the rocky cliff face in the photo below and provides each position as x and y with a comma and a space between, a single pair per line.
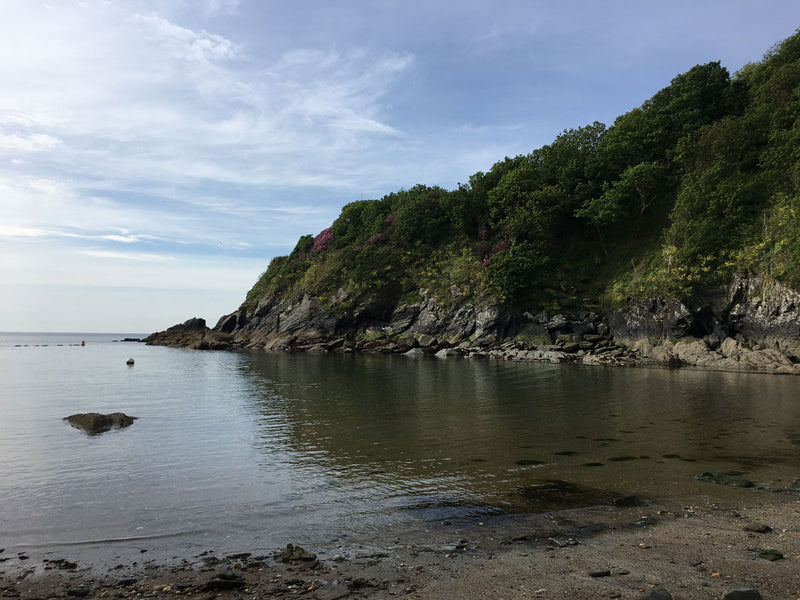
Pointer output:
752, 324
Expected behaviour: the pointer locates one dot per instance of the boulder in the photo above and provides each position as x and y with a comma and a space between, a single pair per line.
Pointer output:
94, 423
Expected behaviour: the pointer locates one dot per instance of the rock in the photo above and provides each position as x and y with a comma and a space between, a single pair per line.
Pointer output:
627, 500
427, 341
61, 564
603, 573
742, 594
654, 318
414, 353
224, 581
757, 528
732, 478
661, 594
296, 554
94, 423
332, 590
193, 324
771, 554
446, 352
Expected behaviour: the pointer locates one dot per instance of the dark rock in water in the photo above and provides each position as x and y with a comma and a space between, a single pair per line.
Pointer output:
529, 462
743, 594
627, 500
296, 554
61, 564
732, 478
94, 423
661, 594
556, 495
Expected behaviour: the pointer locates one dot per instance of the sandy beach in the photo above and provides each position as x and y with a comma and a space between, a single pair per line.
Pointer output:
693, 552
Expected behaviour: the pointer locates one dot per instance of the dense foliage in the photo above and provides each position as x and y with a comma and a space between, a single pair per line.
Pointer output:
701, 181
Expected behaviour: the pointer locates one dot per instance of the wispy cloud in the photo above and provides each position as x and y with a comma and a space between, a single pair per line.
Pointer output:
135, 256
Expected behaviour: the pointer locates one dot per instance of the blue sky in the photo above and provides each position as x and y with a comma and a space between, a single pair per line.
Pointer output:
155, 155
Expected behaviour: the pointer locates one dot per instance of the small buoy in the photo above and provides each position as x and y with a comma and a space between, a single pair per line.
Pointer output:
83, 342
129, 361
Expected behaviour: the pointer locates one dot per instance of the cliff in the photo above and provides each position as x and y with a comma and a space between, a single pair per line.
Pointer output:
752, 324
672, 236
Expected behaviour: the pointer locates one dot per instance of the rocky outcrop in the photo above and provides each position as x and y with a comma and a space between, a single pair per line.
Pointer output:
94, 423
194, 334
752, 324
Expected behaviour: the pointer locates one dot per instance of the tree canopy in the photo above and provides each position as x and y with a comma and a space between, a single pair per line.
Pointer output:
701, 181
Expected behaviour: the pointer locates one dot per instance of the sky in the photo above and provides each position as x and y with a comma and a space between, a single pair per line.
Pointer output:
156, 154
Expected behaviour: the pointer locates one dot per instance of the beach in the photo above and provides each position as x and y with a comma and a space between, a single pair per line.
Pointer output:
693, 552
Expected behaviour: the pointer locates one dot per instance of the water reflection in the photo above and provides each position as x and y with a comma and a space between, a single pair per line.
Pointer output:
433, 431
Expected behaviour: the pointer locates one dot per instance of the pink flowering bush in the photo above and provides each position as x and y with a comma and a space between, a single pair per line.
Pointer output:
371, 241
322, 240
499, 247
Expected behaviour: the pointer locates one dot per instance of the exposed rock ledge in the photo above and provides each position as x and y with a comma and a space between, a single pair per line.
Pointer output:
753, 324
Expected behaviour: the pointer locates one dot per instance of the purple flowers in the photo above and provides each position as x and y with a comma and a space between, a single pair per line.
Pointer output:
499, 247
371, 241
322, 240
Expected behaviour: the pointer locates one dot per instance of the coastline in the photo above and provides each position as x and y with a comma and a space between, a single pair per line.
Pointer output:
731, 355
693, 551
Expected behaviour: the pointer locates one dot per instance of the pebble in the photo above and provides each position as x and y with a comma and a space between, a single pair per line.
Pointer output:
604, 573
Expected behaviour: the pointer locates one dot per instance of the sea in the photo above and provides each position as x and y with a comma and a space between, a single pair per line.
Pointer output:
236, 452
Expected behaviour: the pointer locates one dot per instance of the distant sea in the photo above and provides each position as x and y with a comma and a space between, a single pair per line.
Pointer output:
237, 452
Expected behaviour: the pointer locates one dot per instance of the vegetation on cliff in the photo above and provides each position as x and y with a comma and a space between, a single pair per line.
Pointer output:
700, 182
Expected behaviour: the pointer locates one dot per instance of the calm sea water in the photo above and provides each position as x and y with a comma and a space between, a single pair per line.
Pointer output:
248, 452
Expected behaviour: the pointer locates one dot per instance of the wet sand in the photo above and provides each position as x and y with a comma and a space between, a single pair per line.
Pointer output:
694, 552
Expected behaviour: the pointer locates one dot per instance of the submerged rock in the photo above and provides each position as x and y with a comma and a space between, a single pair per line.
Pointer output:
732, 478
94, 423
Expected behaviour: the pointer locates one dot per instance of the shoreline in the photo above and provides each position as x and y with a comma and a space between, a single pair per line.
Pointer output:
693, 551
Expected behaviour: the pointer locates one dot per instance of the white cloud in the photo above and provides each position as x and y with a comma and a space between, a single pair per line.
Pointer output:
136, 256
32, 142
